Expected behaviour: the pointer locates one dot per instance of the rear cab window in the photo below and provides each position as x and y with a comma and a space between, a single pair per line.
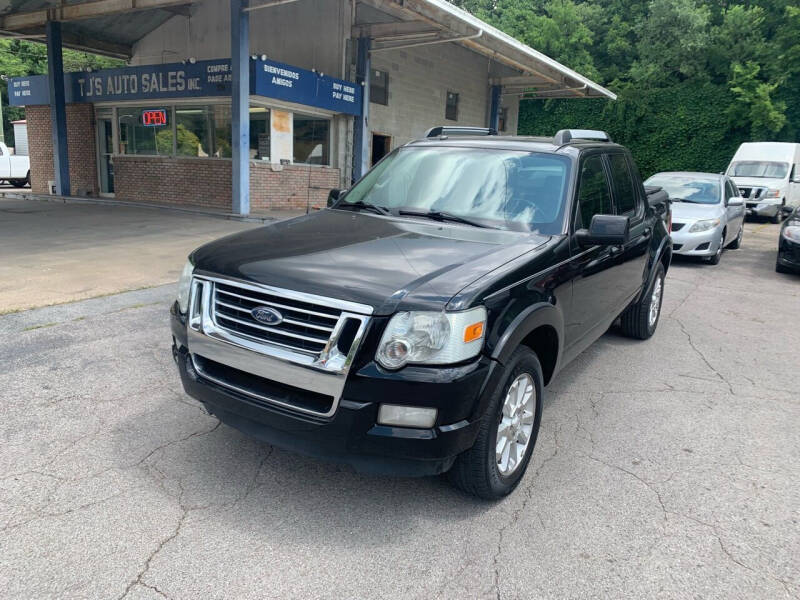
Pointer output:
626, 196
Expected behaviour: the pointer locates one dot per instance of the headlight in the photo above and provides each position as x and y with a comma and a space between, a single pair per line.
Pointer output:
438, 338
704, 225
792, 232
184, 286
772, 193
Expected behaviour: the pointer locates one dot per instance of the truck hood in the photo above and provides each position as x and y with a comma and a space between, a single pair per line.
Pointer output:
685, 212
387, 263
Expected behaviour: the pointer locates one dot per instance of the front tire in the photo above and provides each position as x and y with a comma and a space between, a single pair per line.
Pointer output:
495, 464
735, 244
640, 320
714, 260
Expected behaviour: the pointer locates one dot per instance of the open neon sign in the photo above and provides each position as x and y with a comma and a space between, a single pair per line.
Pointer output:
155, 117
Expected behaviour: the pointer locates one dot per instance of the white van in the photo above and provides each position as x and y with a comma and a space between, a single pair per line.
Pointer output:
768, 177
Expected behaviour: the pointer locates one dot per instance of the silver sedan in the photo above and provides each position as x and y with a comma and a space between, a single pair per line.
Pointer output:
707, 213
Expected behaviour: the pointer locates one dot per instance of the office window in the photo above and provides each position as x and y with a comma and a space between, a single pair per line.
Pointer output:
194, 131
259, 133
451, 106
379, 87
311, 140
137, 138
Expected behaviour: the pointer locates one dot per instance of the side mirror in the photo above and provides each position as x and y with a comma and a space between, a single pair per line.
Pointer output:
605, 230
735, 201
333, 196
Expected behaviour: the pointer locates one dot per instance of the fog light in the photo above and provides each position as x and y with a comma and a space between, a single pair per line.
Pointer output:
406, 416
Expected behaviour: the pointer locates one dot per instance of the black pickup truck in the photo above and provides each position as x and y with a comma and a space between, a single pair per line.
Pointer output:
411, 326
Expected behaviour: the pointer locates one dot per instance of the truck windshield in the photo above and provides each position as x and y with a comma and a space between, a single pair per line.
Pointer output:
521, 191
699, 190
759, 168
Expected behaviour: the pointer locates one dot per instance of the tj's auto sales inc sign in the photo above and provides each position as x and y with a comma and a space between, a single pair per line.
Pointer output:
206, 78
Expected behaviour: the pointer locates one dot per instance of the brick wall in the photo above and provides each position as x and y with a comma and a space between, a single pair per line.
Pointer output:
290, 188
202, 182
207, 183
80, 143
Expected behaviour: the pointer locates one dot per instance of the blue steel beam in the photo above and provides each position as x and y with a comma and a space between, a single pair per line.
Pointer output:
361, 129
494, 107
240, 113
58, 109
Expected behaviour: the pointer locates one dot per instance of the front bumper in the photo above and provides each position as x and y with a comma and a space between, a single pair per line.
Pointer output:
704, 243
789, 254
762, 209
351, 434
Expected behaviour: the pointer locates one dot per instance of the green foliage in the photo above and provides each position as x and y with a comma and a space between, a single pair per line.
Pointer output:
694, 78
21, 57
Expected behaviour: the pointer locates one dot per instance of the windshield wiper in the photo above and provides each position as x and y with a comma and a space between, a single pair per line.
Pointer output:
366, 206
684, 200
438, 215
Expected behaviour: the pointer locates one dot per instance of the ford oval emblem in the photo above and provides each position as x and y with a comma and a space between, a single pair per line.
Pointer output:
266, 315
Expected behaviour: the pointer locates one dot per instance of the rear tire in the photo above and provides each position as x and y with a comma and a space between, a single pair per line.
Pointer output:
639, 321
478, 471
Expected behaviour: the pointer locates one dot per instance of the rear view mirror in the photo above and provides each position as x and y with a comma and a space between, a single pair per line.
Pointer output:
735, 201
605, 230
333, 196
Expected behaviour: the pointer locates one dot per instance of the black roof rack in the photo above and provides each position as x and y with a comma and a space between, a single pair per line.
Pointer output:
443, 130
565, 136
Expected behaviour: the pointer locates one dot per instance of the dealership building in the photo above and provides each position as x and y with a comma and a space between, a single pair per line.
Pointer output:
260, 105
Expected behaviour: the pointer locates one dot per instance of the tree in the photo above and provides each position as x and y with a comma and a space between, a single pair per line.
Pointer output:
22, 57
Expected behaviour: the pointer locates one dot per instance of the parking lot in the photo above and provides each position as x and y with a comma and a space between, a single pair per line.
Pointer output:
665, 468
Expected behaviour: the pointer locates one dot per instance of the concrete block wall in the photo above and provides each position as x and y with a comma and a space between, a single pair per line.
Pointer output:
419, 79
206, 182
80, 145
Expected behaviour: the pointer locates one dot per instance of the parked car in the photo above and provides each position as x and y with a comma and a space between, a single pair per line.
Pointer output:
788, 260
768, 177
14, 169
707, 213
411, 327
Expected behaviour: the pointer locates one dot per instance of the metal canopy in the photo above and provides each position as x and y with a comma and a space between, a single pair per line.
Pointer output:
109, 27
424, 22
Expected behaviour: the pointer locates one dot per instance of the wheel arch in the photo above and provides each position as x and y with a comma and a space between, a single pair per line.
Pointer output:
540, 328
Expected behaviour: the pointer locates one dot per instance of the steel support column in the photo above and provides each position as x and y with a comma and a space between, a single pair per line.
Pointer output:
240, 113
494, 107
361, 129
58, 109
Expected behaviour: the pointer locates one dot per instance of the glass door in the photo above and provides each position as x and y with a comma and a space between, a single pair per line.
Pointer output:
105, 150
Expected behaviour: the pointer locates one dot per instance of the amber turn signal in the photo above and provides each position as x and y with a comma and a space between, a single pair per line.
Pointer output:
473, 332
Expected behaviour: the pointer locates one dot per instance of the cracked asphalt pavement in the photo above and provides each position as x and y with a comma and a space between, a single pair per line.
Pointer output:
665, 469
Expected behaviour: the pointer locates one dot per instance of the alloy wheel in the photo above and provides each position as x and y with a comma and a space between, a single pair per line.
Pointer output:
516, 424
655, 302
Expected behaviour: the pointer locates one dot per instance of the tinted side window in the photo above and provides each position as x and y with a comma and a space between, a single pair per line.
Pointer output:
623, 185
594, 197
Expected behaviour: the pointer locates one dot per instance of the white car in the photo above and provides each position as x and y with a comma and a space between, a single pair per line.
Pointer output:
15, 169
707, 213
768, 177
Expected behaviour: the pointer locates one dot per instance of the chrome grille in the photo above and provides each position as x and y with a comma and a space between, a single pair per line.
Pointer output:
305, 327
